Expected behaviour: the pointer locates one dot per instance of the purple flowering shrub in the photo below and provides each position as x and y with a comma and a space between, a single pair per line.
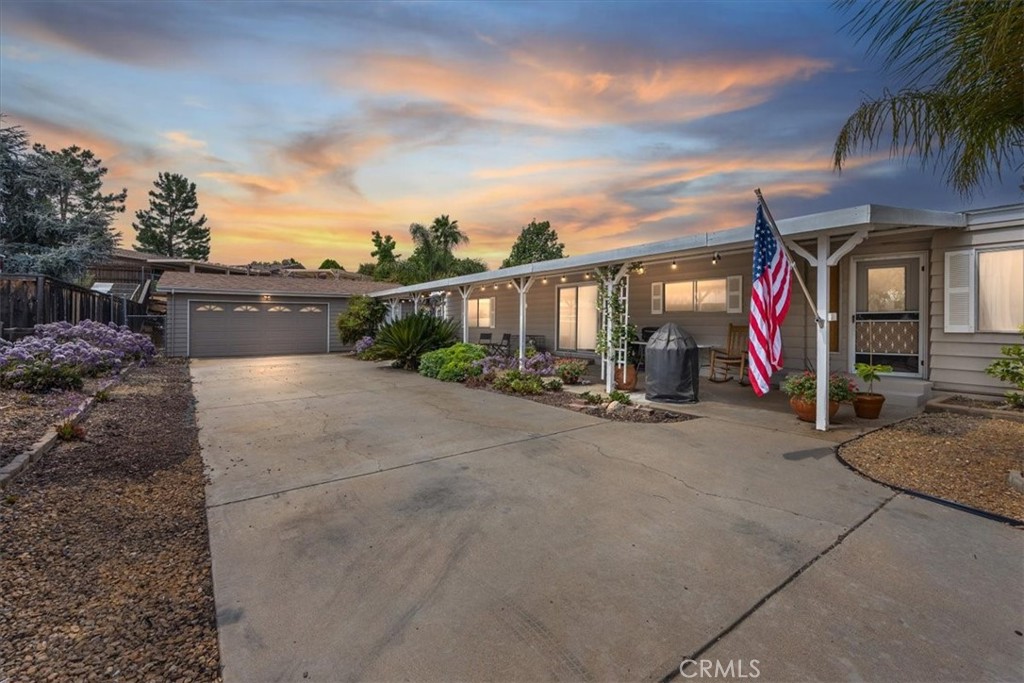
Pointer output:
537, 365
59, 355
363, 344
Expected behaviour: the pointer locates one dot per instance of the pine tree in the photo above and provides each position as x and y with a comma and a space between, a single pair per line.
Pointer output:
169, 226
536, 242
55, 218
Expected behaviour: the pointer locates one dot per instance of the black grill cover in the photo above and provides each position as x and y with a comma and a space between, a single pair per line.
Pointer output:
672, 362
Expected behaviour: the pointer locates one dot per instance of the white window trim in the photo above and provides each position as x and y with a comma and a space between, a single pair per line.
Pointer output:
474, 320
657, 298
731, 282
976, 279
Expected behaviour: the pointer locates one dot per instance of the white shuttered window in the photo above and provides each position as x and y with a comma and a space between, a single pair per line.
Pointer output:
959, 294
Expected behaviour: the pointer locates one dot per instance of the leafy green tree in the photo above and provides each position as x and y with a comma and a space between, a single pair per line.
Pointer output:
536, 242
55, 218
331, 264
169, 226
361, 319
387, 266
383, 248
961, 66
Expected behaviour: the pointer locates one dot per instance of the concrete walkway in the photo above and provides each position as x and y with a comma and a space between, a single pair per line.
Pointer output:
370, 524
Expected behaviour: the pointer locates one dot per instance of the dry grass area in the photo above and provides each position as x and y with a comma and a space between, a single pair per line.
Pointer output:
104, 553
962, 458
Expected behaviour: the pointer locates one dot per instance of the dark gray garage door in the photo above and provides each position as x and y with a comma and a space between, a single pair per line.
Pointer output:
256, 329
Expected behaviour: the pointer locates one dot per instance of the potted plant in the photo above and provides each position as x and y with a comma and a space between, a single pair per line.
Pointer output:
803, 393
868, 404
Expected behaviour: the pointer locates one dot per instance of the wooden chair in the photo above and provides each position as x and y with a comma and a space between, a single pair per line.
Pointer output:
734, 355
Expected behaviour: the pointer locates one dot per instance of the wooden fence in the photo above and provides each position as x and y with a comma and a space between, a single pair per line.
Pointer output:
30, 300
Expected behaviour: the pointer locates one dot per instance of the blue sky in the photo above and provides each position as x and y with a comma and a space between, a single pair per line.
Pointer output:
308, 125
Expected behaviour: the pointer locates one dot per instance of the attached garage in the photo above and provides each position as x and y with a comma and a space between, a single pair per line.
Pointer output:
212, 315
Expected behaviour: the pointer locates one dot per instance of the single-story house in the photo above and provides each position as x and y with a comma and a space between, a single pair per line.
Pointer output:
212, 314
935, 294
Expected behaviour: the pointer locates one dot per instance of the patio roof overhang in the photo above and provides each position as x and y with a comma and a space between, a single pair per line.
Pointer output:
871, 218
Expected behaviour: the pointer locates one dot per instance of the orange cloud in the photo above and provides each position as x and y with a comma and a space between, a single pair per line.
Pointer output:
557, 92
179, 139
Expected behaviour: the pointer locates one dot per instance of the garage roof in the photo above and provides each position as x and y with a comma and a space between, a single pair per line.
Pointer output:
212, 283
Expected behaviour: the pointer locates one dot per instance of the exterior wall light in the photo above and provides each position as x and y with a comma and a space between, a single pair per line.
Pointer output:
674, 266
716, 258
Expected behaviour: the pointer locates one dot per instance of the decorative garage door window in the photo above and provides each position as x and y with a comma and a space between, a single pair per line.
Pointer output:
208, 307
279, 309
246, 309
311, 309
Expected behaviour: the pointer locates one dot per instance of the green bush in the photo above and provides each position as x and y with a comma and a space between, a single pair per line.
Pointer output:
361, 319
1010, 369
406, 340
591, 398
454, 363
517, 382
553, 384
40, 375
571, 371
620, 396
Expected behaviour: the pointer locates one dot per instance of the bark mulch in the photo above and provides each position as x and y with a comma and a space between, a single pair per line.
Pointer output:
962, 458
24, 417
104, 553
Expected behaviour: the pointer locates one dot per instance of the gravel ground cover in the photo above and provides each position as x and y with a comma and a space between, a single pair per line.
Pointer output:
104, 555
963, 458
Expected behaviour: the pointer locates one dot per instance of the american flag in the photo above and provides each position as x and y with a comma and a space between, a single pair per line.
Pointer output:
769, 303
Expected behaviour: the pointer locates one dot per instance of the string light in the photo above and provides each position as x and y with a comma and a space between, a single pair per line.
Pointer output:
716, 258
674, 266
544, 281
563, 278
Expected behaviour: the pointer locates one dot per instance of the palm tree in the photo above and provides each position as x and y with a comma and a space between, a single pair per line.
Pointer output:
962, 65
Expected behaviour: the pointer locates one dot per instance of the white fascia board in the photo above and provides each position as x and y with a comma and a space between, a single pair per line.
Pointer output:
235, 292
843, 221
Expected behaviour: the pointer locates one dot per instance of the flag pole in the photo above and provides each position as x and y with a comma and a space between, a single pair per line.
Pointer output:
789, 257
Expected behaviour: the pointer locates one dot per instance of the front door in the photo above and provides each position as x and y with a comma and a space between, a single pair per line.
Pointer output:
886, 323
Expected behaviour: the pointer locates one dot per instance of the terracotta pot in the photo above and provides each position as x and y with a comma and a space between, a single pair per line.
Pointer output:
807, 410
868, 406
629, 382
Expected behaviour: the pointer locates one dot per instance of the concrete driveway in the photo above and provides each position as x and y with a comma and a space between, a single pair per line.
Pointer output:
370, 524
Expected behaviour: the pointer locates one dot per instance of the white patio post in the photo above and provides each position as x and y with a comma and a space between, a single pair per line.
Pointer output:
522, 285
465, 291
821, 363
822, 262
416, 303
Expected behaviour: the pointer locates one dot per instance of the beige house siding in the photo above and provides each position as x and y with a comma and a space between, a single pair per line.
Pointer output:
958, 360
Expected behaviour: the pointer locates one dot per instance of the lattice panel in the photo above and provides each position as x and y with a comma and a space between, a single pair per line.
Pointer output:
888, 336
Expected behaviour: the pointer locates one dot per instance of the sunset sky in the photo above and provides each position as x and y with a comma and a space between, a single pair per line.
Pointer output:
307, 125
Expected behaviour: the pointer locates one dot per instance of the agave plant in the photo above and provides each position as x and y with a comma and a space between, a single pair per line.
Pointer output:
407, 339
